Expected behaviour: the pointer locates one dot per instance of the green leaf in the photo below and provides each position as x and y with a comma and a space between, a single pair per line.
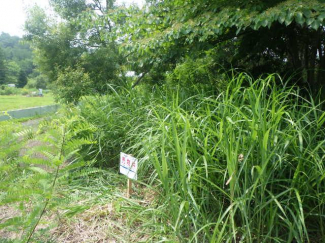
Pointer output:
321, 17
315, 25
38, 170
288, 22
281, 19
265, 23
300, 18
307, 13
289, 18
309, 21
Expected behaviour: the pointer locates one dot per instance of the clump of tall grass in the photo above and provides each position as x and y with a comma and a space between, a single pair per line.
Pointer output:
113, 115
246, 165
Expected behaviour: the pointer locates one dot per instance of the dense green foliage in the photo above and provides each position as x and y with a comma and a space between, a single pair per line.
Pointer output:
260, 37
2, 67
245, 165
106, 40
71, 45
73, 84
16, 57
22, 79
90, 195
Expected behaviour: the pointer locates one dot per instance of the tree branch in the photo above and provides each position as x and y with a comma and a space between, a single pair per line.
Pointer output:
139, 79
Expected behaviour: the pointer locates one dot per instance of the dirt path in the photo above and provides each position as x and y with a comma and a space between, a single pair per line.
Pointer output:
32, 123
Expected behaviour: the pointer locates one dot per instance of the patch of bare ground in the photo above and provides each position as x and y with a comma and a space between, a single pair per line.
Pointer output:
30, 145
32, 123
8, 212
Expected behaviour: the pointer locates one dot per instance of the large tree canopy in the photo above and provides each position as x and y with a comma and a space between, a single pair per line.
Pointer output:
81, 41
257, 36
181, 41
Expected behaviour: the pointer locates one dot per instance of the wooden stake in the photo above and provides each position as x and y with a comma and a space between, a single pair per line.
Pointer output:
129, 190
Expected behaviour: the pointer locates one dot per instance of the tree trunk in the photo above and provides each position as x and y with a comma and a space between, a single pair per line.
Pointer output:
293, 50
321, 64
109, 4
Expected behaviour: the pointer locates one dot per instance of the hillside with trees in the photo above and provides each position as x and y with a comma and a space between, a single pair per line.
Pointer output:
16, 57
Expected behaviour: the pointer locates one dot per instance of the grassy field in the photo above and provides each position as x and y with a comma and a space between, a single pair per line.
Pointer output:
14, 102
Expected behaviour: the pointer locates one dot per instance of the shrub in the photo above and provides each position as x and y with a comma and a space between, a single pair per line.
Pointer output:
31, 84
24, 91
41, 82
9, 91
72, 84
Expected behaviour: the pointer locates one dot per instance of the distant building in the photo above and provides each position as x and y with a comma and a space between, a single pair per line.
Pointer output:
12, 85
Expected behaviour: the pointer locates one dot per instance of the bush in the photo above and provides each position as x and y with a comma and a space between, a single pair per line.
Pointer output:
72, 84
41, 82
9, 91
24, 91
31, 84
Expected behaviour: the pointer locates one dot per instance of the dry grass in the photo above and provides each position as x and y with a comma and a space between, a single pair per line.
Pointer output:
99, 223
89, 226
105, 223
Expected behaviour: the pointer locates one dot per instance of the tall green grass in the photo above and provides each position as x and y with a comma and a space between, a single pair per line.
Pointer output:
244, 166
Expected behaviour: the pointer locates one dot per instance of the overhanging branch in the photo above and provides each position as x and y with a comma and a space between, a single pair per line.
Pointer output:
139, 79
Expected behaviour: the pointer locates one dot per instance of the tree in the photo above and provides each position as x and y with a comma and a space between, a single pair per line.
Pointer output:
85, 39
257, 36
22, 79
41, 82
2, 67
12, 72
17, 51
72, 84
188, 37
53, 43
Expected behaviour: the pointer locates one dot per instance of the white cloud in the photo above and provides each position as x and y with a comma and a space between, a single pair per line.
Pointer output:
13, 13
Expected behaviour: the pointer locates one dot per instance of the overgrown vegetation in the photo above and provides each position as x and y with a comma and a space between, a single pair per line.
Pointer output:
226, 156
34, 168
246, 165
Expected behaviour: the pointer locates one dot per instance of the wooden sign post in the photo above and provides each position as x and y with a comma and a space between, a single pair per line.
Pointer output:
129, 190
128, 167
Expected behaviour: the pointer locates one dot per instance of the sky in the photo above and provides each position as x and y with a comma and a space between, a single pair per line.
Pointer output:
13, 13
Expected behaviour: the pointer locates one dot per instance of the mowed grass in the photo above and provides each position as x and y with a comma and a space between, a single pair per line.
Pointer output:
15, 102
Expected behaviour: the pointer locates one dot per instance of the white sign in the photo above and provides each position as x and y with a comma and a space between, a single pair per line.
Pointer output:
128, 166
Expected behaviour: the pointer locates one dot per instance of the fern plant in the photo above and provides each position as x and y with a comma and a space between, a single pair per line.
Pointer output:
31, 183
